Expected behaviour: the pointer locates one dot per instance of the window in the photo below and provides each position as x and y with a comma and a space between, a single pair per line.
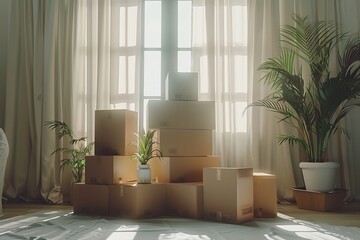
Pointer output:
124, 53
135, 43
167, 45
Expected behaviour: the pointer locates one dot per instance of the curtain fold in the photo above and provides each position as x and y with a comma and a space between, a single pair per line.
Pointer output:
263, 150
37, 85
219, 56
107, 39
226, 54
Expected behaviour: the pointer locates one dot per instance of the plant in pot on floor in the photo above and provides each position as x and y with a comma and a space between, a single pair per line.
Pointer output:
73, 156
313, 102
146, 150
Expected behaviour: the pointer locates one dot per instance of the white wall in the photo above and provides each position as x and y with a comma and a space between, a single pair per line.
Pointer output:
4, 10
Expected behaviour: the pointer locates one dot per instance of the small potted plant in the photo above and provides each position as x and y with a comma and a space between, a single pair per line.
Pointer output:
74, 156
146, 150
313, 101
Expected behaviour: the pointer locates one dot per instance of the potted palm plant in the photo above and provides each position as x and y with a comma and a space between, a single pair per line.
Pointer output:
313, 101
146, 150
74, 156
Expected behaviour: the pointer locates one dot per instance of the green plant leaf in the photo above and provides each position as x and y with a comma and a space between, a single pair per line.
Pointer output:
313, 104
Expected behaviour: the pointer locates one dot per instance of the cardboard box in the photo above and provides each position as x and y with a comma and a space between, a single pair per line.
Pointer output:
114, 132
228, 194
90, 199
181, 114
182, 86
182, 169
137, 200
185, 199
109, 169
177, 142
265, 195
320, 201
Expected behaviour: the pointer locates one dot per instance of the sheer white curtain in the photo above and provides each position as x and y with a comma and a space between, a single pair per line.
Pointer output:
106, 59
230, 39
64, 60
222, 45
219, 54
38, 80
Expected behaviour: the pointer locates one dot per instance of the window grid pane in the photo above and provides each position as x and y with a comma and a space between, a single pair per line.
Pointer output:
184, 61
152, 73
152, 28
184, 24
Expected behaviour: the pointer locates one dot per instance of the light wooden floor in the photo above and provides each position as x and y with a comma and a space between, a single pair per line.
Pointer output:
349, 215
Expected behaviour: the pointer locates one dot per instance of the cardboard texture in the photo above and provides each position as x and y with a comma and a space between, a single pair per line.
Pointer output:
185, 199
265, 195
177, 142
90, 199
181, 114
137, 200
320, 201
114, 132
181, 86
181, 169
109, 169
228, 194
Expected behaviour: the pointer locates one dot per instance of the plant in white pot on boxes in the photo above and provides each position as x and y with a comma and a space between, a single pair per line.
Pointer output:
146, 150
313, 102
74, 156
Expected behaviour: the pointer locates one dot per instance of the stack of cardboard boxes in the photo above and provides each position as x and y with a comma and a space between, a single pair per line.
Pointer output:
184, 132
110, 186
188, 180
111, 164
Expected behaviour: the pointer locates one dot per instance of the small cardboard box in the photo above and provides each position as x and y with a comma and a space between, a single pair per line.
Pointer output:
178, 142
137, 200
114, 132
109, 169
228, 194
90, 199
320, 201
265, 195
182, 86
181, 114
185, 199
181, 169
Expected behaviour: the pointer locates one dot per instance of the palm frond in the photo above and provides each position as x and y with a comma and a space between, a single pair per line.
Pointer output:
317, 109
291, 139
74, 156
62, 127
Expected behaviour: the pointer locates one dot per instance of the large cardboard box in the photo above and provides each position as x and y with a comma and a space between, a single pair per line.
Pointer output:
185, 199
265, 195
228, 194
114, 132
181, 114
182, 86
182, 169
179, 142
90, 199
109, 169
137, 200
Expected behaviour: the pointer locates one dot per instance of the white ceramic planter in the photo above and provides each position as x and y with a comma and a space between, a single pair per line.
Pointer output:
144, 174
319, 177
